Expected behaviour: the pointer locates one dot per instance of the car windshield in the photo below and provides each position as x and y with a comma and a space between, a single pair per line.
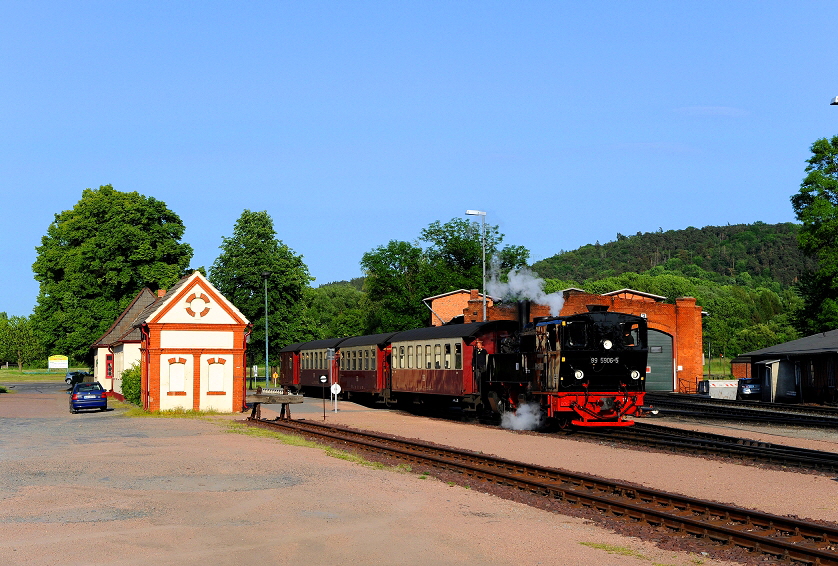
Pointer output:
85, 387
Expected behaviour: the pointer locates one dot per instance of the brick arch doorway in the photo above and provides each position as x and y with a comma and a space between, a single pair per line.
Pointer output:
660, 375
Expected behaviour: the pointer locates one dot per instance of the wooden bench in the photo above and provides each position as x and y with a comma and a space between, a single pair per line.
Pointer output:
272, 397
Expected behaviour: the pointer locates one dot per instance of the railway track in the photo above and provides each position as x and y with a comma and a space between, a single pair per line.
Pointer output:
694, 442
725, 409
773, 535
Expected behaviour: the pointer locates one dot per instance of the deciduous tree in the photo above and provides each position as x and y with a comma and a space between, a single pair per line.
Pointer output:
252, 250
816, 206
96, 257
400, 274
18, 342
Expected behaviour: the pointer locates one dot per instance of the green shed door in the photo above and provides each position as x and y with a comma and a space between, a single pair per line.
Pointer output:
660, 374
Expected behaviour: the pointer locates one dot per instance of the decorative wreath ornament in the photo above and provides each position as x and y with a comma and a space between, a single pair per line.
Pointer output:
199, 308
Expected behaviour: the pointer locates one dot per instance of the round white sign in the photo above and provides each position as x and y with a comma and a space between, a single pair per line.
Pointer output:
323, 379
335, 388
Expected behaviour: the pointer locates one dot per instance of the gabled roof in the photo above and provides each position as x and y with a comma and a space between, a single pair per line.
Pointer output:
635, 292
457, 292
122, 330
823, 343
158, 309
149, 310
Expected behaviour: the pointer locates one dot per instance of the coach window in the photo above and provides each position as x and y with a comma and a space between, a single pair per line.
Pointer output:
366, 359
437, 356
354, 359
447, 356
420, 359
410, 357
458, 356
401, 356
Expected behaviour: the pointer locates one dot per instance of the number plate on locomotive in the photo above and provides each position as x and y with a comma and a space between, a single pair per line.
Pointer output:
605, 360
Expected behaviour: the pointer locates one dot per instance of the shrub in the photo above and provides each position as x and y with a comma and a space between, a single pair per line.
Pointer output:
131, 380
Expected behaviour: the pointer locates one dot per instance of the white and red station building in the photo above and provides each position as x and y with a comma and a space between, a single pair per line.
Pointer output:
189, 342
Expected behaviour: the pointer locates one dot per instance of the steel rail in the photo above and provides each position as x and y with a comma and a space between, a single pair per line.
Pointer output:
690, 441
826, 412
739, 413
783, 537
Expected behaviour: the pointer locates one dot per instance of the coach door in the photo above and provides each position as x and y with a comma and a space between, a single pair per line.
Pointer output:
660, 367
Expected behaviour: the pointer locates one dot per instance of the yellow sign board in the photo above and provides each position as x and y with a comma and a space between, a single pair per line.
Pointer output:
59, 362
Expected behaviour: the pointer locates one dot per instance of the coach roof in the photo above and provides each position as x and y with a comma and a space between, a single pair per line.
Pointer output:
315, 345
470, 330
377, 339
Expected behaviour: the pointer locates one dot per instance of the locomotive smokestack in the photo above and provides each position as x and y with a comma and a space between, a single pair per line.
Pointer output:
523, 313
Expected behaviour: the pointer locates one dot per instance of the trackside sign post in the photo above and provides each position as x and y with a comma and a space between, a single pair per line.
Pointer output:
336, 391
323, 380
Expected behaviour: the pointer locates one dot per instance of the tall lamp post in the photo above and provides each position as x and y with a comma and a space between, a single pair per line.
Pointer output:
265, 275
482, 215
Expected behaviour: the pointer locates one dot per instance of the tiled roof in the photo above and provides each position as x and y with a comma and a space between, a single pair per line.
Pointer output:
152, 308
824, 342
122, 329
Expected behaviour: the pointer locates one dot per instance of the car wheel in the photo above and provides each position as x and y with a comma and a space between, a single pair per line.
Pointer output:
103, 408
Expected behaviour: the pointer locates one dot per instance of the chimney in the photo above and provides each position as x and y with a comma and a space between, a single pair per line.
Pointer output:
161, 292
523, 313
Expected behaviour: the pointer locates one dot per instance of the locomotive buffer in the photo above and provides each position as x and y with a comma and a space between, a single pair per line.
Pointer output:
272, 397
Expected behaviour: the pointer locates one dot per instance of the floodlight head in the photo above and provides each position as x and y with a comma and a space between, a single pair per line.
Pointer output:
475, 213
834, 101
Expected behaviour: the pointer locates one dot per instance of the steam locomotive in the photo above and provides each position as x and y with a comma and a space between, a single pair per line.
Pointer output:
586, 369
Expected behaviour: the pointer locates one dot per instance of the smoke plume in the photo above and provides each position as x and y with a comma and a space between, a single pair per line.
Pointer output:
523, 284
527, 417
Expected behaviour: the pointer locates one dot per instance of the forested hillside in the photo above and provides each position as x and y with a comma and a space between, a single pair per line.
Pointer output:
765, 251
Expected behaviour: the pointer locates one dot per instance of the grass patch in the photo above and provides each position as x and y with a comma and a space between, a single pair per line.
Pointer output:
297, 440
178, 413
611, 549
13, 375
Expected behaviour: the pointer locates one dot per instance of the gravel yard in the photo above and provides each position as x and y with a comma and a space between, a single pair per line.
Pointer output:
100, 488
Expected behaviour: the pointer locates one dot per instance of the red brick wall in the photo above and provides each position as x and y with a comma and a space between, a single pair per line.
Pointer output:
740, 369
451, 306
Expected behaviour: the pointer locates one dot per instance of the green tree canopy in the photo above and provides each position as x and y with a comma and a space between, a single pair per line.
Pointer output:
816, 206
18, 342
95, 258
400, 274
337, 310
396, 282
252, 250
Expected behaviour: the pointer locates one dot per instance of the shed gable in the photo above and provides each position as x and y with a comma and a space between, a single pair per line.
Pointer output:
197, 302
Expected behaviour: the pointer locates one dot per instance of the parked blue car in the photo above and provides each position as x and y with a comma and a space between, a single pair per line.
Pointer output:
749, 388
88, 396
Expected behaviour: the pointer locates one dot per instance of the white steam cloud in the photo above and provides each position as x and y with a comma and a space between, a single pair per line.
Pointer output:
521, 285
526, 417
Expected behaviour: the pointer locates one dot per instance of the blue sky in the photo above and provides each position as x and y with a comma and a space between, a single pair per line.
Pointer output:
356, 123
